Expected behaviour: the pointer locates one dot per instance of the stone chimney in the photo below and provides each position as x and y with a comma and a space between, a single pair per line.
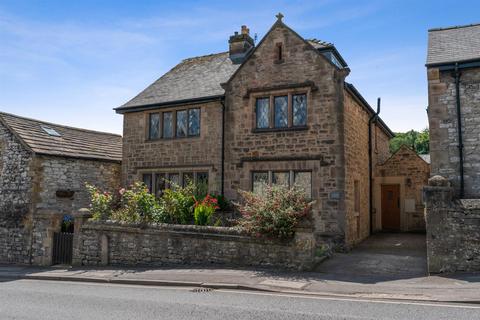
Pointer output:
240, 45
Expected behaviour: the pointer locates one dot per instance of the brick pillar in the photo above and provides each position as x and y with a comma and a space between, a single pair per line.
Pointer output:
438, 197
80, 217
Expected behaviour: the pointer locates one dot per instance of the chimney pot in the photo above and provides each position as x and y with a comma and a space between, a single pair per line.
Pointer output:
240, 45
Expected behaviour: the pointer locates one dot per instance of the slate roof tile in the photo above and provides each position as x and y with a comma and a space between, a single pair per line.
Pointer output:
72, 142
454, 44
193, 78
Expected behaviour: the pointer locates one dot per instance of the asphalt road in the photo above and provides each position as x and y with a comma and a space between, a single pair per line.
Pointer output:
29, 299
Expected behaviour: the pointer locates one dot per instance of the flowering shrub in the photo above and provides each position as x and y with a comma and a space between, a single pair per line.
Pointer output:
136, 205
275, 212
177, 205
100, 203
204, 210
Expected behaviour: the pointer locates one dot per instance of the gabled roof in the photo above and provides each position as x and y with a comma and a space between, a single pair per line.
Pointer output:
404, 147
199, 79
193, 78
453, 44
57, 140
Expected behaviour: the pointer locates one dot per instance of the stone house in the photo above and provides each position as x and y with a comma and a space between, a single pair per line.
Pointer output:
43, 169
279, 111
398, 187
453, 195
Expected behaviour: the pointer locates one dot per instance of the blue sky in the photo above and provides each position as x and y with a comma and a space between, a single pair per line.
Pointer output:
71, 62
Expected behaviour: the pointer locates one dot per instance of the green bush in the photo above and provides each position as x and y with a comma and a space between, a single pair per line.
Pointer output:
176, 205
275, 213
204, 210
136, 205
100, 203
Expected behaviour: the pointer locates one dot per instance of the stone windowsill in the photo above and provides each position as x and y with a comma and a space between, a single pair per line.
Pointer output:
270, 130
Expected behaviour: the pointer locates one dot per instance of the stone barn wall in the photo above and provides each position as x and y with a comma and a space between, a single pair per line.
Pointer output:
16, 177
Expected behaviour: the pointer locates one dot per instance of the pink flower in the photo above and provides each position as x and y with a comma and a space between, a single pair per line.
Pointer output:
121, 191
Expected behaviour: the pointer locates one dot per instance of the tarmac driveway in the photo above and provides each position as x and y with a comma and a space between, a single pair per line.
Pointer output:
383, 255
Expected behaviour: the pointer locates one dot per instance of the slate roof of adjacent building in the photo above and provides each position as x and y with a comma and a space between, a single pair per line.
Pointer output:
453, 44
192, 78
63, 140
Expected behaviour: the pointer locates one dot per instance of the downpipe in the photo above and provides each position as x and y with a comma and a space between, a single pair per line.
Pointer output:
372, 119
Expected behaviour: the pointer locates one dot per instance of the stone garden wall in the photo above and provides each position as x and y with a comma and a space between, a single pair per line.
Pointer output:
453, 229
110, 243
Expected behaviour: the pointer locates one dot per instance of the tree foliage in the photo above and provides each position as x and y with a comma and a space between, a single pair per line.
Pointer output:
417, 140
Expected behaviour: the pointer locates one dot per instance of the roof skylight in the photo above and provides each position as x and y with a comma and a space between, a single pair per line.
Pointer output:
51, 132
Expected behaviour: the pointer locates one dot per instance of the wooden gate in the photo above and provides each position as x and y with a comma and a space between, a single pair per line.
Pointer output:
62, 248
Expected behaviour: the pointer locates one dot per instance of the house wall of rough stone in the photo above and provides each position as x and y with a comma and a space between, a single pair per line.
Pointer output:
15, 199
201, 153
442, 114
318, 148
453, 234
412, 172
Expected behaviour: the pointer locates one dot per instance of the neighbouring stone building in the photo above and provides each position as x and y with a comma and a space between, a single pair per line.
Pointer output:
453, 196
279, 111
43, 170
398, 187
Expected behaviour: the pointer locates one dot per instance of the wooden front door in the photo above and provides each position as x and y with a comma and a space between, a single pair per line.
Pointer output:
391, 207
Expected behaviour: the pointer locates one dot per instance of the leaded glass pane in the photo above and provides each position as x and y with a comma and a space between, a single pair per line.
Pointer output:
281, 111
154, 126
263, 113
303, 180
167, 125
160, 184
299, 109
147, 180
182, 123
260, 181
281, 178
194, 122
202, 183
187, 178
174, 180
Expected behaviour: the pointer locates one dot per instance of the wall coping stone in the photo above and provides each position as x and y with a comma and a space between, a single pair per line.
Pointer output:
228, 233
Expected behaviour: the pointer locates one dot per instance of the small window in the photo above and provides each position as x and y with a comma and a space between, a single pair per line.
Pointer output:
356, 191
260, 180
182, 124
279, 51
194, 122
51, 132
303, 180
167, 125
281, 111
263, 113
154, 126
281, 178
299, 110
147, 180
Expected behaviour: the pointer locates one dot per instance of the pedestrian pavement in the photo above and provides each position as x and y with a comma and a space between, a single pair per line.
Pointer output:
444, 288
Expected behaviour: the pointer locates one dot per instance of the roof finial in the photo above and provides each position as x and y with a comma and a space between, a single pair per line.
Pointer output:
279, 16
